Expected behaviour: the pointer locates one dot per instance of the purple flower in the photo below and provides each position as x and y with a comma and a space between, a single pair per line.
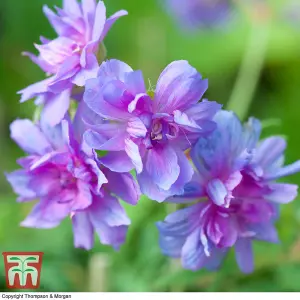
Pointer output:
200, 13
236, 179
149, 134
71, 58
68, 180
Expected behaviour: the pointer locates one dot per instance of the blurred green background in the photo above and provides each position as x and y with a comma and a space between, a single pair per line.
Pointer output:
149, 39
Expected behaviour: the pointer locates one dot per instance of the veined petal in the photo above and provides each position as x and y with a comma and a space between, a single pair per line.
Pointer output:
178, 87
136, 128
162, 166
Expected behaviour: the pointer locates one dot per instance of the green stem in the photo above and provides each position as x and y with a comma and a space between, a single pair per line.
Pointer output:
249, 73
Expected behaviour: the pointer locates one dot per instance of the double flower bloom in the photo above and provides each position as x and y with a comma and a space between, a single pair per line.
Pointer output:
229, 183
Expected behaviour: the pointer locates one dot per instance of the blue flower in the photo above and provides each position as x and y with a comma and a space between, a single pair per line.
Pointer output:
236, 181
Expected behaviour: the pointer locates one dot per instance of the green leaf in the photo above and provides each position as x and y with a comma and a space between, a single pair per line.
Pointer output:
15, 258
17, 270
30, 270
30, 258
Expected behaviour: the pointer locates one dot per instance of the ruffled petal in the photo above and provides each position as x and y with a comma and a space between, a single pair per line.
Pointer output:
117, 162
100, 142
48, 213
20, 182
178, 87
124, 186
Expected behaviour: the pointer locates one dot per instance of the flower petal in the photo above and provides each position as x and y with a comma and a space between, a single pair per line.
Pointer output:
94, 98
99, 142
99, 22
29, 137
35, 89
171, 245
162, 166
56, 107
192, 255
20, 182
217, 192
110, 21
48, 213
117, 162
83, 197
284, 171
72, 7
178, 87
282, 192
83, 231
244, 255
136, 128
204, 110
114, 69
107, 209
124, 186
133, 152
269, 151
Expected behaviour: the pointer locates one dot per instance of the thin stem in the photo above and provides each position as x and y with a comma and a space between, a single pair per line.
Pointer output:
251, 67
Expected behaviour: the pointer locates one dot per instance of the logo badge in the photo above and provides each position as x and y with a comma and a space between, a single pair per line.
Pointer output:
23, 269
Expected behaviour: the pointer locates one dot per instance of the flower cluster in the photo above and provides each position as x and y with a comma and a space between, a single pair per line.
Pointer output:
183, 149
234, 196
71, 58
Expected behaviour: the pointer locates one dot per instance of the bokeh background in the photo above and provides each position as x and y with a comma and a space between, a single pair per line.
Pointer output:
254, 60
